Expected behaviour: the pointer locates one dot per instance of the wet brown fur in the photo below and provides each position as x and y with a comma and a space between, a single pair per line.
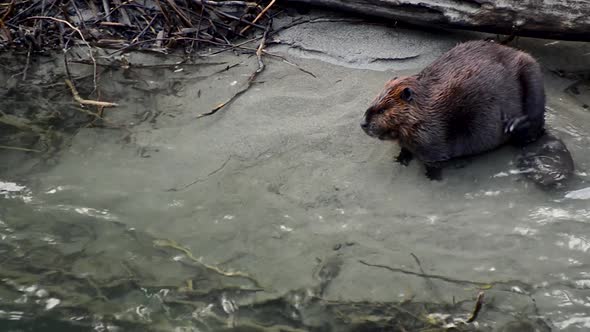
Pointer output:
458, 105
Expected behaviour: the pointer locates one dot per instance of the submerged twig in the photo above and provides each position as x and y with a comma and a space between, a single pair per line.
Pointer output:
129, 65
427, 279
202, 179
24, 77
20, 123
285, 60
259, 52
317, 20
232, 47
164, 243
424, 275
7, 147
251, 79
477, 308
82, 101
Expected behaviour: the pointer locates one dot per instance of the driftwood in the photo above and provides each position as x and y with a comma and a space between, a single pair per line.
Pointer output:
553, 19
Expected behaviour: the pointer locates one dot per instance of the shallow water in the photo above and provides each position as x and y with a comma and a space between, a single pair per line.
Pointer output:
277, 183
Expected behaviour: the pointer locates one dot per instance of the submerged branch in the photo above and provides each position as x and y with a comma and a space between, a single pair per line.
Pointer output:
16, 148
428, 276
477, 308
251, 79
82, 101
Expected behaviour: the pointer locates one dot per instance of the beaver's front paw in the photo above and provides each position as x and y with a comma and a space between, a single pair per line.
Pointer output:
404, 157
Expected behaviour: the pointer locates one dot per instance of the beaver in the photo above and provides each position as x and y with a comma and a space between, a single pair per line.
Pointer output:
474, 98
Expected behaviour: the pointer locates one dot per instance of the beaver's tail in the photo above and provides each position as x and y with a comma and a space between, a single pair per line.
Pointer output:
531, 126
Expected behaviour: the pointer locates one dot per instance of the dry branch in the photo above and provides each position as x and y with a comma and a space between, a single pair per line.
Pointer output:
259, 16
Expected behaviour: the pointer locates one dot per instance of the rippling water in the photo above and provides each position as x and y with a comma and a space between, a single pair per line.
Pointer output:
239, 219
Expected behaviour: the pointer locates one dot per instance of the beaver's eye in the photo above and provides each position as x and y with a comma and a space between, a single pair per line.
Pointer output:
381, 111
407, 94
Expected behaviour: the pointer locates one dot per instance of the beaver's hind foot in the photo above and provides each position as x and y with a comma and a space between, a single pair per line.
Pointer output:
434, 173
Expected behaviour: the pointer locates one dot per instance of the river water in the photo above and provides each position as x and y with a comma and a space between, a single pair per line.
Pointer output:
160, 220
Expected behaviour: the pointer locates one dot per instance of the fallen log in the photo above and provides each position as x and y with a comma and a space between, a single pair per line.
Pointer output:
551, 19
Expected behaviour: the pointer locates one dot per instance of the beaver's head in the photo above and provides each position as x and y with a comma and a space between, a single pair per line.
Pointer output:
389, 114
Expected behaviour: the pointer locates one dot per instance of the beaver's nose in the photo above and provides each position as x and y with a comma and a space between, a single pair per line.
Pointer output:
364, 124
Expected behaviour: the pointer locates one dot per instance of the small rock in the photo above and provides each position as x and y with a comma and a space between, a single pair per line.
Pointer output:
579, 194
51, 303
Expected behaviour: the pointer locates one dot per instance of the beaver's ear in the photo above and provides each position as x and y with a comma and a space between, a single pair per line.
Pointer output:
407, 94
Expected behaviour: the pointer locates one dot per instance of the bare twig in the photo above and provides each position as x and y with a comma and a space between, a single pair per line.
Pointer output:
112, 24
259, 16
82, 101
97, 115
